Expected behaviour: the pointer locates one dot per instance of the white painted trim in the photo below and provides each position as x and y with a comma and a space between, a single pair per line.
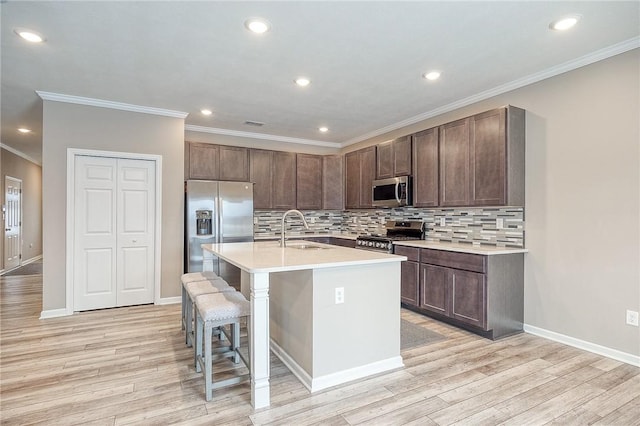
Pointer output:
334, 379
582, 344
582, 61
169, 300
71, 154
59, 97
33, 259
20, 154
261, 136
54, 313
293, 366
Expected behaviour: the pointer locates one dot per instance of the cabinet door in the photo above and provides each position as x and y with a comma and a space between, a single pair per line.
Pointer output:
410, 283
352, 180
425, 169
284, 180
367, 175
384, 161
454, 163
488, 160
332, 182
261, 174
309, 181
434, 289
468, 297
204, 161
234, 163
402, 156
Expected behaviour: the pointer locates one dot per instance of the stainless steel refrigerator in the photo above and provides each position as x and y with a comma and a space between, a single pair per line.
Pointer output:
216, 212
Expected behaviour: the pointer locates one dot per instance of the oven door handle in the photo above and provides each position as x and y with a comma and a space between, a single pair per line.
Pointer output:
397, 193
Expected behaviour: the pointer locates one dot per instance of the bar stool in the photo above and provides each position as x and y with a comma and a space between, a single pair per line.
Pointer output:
193, 277
193, 290
217, 310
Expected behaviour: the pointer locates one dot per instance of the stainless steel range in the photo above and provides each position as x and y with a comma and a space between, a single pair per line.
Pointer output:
397, 230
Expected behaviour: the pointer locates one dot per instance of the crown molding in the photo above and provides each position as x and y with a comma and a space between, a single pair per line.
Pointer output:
20, 154
58, 97
262, 136
582, 61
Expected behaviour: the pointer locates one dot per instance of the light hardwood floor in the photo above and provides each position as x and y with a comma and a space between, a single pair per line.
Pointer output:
130, 366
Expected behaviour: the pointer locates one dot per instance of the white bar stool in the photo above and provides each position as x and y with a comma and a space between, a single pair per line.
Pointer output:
217, 310
189, 278
193, 290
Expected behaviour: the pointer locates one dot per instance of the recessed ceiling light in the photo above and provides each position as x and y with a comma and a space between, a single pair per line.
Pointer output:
302, 81
206, 111
257, 25
323, 129
564, 23
24, 130
29, 35
431, 75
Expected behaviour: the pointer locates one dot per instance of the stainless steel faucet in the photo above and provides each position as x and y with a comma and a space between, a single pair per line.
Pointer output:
282, 236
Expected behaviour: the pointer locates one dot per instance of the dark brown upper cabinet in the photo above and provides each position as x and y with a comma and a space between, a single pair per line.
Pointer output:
425, 168
216, 162
360, 171
481, 159
284, 180
309, 182
234, 163
261, 174
202, 161
394, 158
332, 182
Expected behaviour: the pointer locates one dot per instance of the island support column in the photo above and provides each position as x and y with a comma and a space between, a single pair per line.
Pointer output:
259, 340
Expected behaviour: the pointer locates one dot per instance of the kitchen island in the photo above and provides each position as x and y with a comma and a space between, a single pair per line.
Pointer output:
334, 314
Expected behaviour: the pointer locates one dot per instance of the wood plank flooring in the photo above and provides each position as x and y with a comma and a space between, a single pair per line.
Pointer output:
130, 366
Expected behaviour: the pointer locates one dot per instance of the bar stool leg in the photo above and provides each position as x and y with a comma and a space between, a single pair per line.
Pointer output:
198, 341
208, 362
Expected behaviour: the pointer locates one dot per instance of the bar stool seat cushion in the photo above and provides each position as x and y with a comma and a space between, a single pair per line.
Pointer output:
222, 306
198, 276
197, 288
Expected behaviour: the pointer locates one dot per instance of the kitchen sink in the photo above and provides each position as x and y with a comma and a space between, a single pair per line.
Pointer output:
307, 247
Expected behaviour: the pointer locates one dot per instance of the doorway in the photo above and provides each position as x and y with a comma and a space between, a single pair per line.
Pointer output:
113, 212
12, 222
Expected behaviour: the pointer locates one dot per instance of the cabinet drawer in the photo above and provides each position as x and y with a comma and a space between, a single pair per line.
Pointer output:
412, 253
465, 261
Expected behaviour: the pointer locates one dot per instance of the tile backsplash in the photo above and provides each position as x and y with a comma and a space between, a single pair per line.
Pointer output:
495, 226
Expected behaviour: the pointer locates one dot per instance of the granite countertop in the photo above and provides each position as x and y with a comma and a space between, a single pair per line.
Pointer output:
268, 256
462, 248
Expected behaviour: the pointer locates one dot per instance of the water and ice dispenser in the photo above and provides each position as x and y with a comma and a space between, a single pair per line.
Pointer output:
203, 222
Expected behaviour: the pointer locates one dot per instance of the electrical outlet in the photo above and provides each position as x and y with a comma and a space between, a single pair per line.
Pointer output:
499, 223
632, 317
443, 221
339, 295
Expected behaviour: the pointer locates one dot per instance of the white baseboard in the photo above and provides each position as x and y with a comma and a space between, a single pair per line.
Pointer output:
334, 379
169, 300
582, 344
54, 313
33, 259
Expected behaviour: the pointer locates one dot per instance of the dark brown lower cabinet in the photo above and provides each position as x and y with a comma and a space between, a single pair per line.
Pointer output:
483, 294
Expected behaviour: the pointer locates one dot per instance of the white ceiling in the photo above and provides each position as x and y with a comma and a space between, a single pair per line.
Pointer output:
365, 59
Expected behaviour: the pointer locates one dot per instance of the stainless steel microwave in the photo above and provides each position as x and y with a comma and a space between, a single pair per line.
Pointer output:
393, 192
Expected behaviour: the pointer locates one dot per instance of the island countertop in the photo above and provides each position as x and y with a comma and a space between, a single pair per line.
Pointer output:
268, 256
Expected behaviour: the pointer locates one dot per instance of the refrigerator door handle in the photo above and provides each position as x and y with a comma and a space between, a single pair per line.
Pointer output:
219, 235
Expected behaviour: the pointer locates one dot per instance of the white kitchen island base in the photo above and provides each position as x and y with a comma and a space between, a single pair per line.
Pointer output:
323, 342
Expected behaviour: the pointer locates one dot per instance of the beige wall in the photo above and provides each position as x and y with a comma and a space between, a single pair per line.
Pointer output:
84, 127
31, 176
582, 214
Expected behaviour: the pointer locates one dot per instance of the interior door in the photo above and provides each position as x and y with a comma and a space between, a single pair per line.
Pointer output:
114, 232
94, 260
135, 232
12, 222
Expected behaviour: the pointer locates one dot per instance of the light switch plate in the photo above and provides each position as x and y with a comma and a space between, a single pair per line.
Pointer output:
632, 318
